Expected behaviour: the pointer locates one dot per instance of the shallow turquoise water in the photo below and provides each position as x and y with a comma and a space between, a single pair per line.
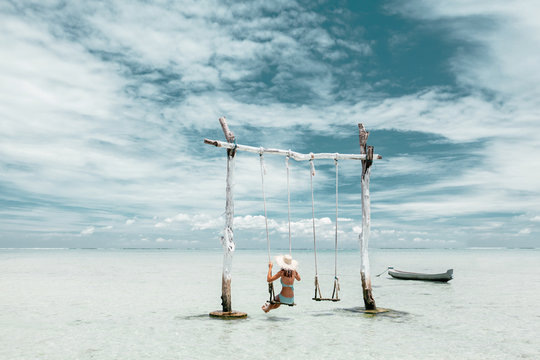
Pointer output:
154, 304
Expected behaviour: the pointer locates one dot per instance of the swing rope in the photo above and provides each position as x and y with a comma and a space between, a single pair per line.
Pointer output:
289, 200
263, 171
318, 295
312, 173
335, 295
271, 292
336, 232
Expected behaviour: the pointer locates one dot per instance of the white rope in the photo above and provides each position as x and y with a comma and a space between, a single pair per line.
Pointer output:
289, 203
336, 234
263, 171
312, 173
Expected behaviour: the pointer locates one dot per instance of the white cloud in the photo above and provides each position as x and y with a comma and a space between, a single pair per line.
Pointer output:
413, 164
500, 179
87, 128
181, 217
91, 114
509, 43
88, 231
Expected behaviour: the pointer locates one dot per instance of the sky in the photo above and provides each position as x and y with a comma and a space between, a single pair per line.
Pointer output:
104, 106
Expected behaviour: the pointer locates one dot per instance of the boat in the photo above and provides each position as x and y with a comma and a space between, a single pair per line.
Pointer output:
406, 275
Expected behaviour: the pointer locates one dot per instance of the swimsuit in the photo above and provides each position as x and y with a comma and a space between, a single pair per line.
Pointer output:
285, 285
284, 299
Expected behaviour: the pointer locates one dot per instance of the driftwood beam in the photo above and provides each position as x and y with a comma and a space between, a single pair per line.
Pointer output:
211, 142
292, 154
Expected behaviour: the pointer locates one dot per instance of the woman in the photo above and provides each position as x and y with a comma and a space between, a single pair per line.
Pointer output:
287, 274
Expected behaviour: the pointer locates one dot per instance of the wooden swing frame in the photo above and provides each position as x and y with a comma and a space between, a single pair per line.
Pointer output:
366, 156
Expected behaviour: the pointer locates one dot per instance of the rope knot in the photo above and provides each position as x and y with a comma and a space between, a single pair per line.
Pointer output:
263, 166
312, 166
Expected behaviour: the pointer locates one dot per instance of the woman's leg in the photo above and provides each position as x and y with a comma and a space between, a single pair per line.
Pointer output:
267, 307
275, 306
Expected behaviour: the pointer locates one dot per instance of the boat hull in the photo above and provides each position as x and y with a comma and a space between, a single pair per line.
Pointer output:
405, 275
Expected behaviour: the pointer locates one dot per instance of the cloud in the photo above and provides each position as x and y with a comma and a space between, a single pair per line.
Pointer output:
493, 111
87, 106
108, 115
410, 164
507, 35
196, 222
174, 242
88, 231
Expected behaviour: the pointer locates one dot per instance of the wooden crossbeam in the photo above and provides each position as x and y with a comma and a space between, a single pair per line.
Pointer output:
292, 154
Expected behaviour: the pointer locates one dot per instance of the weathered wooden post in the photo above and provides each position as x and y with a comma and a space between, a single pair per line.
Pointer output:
227, 240
369, 302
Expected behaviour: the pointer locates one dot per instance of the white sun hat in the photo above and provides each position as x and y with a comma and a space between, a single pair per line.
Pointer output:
286, 262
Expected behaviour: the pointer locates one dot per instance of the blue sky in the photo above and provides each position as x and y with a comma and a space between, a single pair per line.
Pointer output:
104, 106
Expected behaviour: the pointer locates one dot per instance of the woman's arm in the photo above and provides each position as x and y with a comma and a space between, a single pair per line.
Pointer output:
269, 277
297, 276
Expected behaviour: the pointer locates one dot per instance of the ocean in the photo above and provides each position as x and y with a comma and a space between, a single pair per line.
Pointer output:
154, 304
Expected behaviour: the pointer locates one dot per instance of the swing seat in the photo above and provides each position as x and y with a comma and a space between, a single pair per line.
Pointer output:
277, 302
335, 292
272, 296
